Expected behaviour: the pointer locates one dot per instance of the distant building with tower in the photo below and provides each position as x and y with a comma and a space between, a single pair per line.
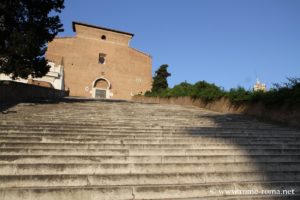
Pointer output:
258, 86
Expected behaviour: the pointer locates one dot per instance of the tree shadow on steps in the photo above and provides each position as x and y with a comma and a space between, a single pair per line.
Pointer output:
6, 108
271, 150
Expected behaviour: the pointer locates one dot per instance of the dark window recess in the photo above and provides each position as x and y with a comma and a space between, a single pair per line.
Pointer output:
100, 94
103, 37
101, 58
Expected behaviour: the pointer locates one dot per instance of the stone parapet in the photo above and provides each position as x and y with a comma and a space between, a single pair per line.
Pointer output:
12, 92
287, 115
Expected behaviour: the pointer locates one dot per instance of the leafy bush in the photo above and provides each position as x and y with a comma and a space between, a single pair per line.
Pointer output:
206, 91
286, 93
180, 90
239, 95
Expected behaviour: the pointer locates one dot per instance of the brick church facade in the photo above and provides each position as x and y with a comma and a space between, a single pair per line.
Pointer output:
99, 62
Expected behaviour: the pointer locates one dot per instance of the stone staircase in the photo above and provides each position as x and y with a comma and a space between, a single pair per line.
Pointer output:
86, 150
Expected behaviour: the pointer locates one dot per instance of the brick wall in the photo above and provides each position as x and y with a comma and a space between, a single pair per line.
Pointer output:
128, 70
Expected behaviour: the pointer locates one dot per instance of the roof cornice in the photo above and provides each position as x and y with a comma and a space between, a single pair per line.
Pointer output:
99, 27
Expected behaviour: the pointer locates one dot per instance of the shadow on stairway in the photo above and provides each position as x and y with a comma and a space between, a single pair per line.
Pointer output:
272, 151
6, 108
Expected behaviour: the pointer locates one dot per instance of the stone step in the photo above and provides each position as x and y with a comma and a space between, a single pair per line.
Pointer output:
145, 152
85, 159
149, 168
148, 135
131, 135
94, 145
149, 140
77, 145
75, 180
148, 122
141, 151
239, 197
145, 192
100, 121
106, 121
142, 129
145, 135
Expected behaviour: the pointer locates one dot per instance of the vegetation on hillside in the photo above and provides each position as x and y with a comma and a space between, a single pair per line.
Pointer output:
286, 93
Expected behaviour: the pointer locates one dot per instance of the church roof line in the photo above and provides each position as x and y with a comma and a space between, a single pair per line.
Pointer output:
99, 27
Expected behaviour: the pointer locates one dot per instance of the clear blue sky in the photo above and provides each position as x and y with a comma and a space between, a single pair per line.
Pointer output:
226, 42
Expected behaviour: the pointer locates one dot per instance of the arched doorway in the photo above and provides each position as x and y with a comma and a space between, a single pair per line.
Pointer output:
101, 88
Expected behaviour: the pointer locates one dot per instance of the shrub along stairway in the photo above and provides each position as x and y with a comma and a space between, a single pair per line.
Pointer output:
83, 150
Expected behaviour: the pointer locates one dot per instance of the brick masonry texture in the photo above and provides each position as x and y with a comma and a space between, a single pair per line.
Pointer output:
127, 70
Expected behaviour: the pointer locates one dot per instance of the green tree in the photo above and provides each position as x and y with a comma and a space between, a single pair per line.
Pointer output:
180, 90
25, 28
160, 81
206, 91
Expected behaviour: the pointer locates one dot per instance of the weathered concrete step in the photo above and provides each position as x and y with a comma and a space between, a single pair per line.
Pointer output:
75, 180
145, 128
70, 168
101, 121
132, 135
85, 159
65, 193
142, 129
240, 197
141, 152
125, 116
143, 192
139, 135
92, 120
147, 118
89, 145
188, 191
143, 114
60, 145
149, 140
130, 123
97, 123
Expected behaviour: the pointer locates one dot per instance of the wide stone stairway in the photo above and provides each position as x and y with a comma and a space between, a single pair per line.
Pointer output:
86, 150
